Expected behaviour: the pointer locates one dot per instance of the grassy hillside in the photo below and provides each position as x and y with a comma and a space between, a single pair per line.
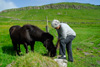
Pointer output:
85, 22
63, 14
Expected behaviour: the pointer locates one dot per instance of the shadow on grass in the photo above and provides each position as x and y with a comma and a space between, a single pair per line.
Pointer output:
46, 54
8, 50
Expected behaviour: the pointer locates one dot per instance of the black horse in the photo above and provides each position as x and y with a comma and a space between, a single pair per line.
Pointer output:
27, 35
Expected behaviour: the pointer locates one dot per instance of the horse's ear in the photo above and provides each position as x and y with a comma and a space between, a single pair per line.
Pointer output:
47, 36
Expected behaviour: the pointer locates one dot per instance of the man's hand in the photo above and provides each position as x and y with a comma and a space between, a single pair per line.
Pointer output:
58, 40
57, 44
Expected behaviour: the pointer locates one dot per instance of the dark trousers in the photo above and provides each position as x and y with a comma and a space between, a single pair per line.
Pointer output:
67, 44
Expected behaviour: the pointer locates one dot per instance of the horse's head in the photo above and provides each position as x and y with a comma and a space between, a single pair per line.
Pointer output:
48, 43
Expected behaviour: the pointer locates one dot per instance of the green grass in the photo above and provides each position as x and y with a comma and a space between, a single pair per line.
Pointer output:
86, 41
87, 38
34, 60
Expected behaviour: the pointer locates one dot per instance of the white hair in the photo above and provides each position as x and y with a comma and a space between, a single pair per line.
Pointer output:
55, 23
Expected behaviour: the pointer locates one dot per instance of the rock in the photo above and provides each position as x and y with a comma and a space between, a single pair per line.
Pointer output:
98, 51
81, 57
10, 65
59, 13
86, 53
95, 48
91, 51
98, 62
99, 44
93, 65
92, 56
92, 42
79, 49
61, 62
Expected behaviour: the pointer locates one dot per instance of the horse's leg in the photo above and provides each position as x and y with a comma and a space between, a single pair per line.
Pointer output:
32, 45
15, 48
25, 45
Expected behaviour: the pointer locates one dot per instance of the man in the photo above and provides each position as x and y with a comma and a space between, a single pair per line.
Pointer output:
65, 36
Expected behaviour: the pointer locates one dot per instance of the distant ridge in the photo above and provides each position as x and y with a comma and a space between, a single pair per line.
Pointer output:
64, 5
